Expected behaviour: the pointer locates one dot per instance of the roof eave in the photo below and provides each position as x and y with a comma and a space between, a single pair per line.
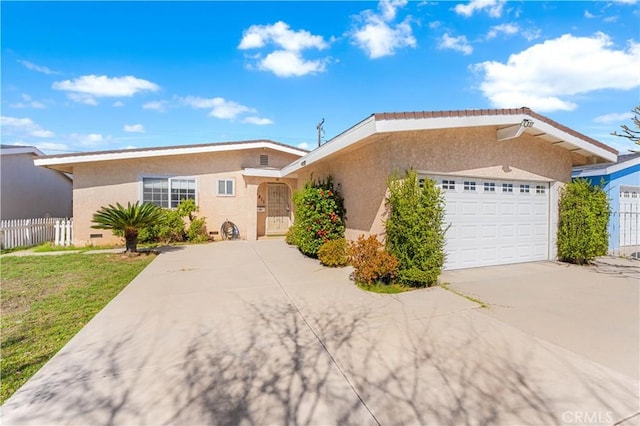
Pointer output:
65, 163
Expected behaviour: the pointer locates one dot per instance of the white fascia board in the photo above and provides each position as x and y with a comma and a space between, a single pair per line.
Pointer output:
21, 150
601, 171
433, 123
403, 125
124, 155
271, 173
357, 133
575, 141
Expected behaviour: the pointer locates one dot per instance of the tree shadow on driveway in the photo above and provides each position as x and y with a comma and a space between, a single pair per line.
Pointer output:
335, 367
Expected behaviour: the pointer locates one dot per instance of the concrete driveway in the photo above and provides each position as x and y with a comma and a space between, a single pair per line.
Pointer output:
594, 311
254, 333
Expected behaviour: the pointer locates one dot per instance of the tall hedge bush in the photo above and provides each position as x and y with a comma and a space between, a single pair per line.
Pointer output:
319, 216
415, 228
583, 218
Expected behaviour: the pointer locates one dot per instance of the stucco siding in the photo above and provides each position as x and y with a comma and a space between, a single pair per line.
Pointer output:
102, 183
362, 172
30, 192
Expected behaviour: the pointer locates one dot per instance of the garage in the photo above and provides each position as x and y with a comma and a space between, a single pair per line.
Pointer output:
494, 222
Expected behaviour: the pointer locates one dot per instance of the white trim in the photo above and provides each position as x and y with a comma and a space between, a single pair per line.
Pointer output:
271, 173
9, 150
174, 150
355, 134
233, 192
169, 178
605, 170
371, 126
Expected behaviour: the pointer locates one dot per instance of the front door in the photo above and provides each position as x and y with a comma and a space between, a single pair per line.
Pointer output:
278, 209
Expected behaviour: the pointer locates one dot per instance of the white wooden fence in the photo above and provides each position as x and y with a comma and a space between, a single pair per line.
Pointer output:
30, 232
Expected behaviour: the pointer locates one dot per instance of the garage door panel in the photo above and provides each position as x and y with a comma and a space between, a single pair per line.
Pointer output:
494, 222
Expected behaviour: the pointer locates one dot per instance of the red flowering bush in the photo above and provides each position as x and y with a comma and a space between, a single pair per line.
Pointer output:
319, 216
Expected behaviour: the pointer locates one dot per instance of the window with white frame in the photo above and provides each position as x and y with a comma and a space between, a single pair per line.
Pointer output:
469, 185
507, 187
524, 189
168, 192
226, 187
541, 189
489, 187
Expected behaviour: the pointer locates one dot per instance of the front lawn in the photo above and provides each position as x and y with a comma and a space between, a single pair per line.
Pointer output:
46, 300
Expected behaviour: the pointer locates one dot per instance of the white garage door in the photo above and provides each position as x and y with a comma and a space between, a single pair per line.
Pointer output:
629, 219
494, 222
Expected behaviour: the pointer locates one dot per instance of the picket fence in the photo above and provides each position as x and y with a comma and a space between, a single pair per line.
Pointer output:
30, 232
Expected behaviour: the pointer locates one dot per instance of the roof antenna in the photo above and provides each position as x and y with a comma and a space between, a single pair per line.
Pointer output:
320, 131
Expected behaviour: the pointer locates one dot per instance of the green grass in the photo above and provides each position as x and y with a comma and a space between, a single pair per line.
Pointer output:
447, 286
385, 288
46, 300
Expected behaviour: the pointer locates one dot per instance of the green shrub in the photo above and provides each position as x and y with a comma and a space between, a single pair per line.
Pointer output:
290, 236
333, 253
583, 218
415, 228
170, 227
197, 230
319, 216
371, 263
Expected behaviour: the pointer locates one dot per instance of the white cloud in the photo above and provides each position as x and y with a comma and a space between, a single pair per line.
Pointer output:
610, 19
159, 106
589, 15
287, 59
133, 128
88, 139
82, 98
614, 117
492, 7
285, 63
23, 127
389, 7
281, 35
507, 29
459, 43
220, 107
88, 87
259, 121
118, 104
546, 75
378, 36
33, 67
28, 102
303, 145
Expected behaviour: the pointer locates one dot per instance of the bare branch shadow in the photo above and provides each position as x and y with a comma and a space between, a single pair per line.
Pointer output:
339, 366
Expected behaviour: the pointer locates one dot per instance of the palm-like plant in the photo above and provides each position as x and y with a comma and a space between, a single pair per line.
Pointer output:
128, 219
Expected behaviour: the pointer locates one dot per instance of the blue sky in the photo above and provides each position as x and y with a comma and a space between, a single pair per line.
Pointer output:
87, 76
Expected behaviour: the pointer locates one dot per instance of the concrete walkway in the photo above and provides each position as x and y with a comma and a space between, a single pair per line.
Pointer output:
254, 333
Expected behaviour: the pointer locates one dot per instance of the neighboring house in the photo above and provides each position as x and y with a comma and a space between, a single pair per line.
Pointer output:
621, 181
501, 172
27, 191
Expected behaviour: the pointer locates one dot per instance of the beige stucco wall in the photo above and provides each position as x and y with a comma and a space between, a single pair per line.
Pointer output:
362, 171
29, 192
107, 182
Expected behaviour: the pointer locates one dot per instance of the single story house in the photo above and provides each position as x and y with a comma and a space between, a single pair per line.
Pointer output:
501, 171
621, 180
29, 192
